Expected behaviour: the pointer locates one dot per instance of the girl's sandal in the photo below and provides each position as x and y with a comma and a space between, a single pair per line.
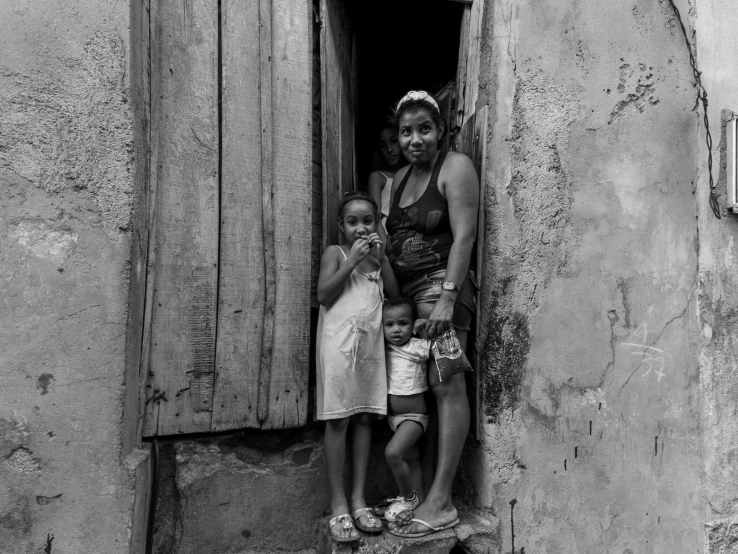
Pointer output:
368, 514
346, 523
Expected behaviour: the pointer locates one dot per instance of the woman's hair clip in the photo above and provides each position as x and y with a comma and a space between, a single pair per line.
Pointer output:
418, 95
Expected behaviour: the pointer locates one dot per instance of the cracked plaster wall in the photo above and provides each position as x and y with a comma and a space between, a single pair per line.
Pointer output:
718, 295
66, 184
591, 372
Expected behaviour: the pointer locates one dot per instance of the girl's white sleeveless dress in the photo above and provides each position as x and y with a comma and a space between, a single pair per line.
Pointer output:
351, 371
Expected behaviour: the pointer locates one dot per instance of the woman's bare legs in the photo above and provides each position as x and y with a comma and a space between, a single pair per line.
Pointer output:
334, 449
362, 444
453, 426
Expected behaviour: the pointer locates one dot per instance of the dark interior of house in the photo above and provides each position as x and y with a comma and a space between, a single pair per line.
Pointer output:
395, 57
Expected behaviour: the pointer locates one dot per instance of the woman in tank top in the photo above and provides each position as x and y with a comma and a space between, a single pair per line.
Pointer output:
432, 225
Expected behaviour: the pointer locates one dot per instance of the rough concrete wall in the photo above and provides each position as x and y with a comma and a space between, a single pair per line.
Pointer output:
591, 379
255, 491
65, 210
715, 24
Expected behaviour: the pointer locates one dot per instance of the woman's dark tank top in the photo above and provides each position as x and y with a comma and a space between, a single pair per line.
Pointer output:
420, 234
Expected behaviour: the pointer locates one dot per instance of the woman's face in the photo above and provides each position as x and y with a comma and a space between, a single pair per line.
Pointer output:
418, 136
389, 147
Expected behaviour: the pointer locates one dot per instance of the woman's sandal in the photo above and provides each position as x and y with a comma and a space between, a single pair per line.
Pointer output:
430, 528
345, 522
367, 513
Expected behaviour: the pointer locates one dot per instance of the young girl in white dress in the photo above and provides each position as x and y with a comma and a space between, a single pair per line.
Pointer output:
351, 371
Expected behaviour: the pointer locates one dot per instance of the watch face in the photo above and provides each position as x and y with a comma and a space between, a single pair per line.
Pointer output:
448, 286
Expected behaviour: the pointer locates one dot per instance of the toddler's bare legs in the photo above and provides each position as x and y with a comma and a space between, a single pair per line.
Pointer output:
412, 457
334, 449
409, 476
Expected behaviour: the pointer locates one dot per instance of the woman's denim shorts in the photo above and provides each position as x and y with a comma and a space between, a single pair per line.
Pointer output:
426, 290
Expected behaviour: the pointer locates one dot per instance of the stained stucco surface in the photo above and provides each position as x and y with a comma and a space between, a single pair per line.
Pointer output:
65, 207
592, 382
718, 300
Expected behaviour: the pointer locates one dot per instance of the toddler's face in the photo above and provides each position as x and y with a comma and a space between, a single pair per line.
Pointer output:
398, 324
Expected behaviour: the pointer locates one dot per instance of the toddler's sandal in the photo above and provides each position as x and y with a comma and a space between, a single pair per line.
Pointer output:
381, 508
368, 514
346, 523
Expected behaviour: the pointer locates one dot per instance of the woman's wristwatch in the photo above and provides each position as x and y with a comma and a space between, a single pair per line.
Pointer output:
449, 286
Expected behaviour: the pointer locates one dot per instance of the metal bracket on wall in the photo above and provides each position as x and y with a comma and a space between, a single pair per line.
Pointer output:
731, 161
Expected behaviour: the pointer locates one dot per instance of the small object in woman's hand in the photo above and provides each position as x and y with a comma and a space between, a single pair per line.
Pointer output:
449, 356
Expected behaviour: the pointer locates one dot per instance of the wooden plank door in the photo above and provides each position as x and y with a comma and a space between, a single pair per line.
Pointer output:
186, 169
472, 141
230, 286
339, 97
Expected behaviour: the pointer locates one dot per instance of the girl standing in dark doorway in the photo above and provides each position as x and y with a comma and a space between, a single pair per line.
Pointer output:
380, 182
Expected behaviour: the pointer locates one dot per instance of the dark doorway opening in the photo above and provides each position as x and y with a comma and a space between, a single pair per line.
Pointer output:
401, 46
369, 54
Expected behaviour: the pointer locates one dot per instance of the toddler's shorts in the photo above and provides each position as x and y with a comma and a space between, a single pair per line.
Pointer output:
396, 420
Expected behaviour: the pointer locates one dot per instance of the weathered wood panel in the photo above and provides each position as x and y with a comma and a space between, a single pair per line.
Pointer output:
185, 119
242, 269
469, 61
291, 205
339, 95
472, 141
317, 174
140, 99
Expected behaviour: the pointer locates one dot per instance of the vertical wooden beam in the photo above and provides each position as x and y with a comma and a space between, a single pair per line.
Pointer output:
330, 102
338, 87
461, 67
292, 204
469, 58
140, 100
182, 343
146, 382
242, 291
267, 185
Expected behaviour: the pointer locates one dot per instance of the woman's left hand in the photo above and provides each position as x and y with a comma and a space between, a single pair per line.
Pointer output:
440, 317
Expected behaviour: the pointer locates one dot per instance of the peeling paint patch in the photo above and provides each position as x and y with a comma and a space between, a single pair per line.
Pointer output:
722, 536
44, 242
45, 500
507, 345
43, 382
22, 460
15, 523
75, 132
540, 184
643, 93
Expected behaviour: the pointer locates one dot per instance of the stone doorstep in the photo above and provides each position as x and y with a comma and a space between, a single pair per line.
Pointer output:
473, 535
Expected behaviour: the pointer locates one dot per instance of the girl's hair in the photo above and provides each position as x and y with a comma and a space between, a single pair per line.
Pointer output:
388, 125
401, 301
353, 196
410, 106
